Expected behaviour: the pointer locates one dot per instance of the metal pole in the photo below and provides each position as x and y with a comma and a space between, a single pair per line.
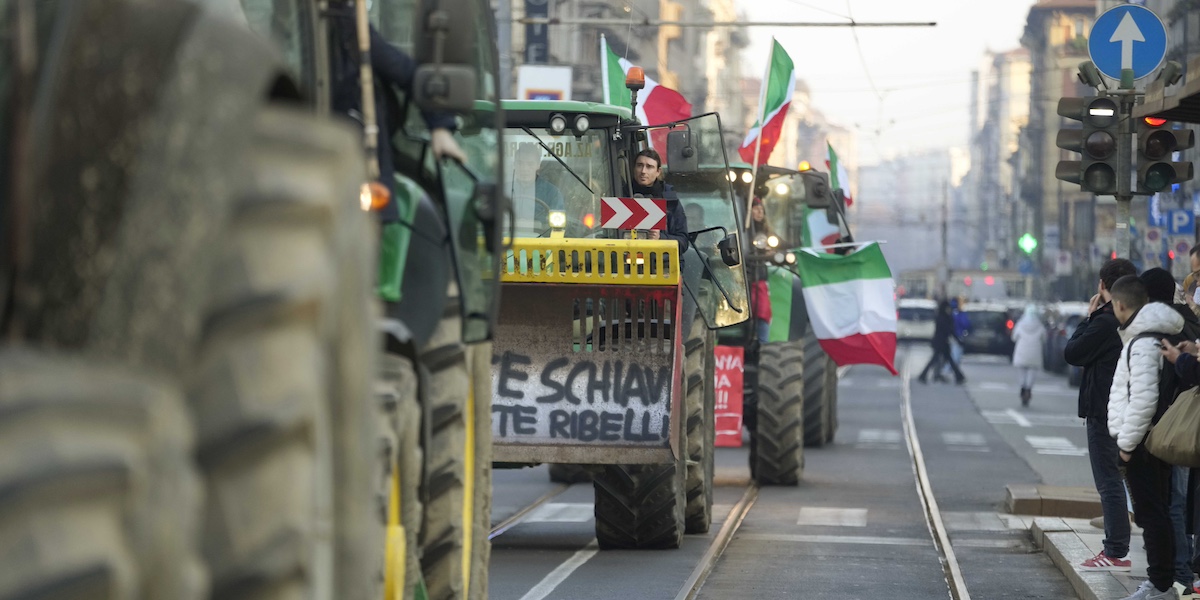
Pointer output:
1127, 97
504, 23
367, 86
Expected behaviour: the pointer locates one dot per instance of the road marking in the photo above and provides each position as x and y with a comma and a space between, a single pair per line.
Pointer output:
965, 442
836, 539
832, 517
1054, 446
878, 439
562, 512
995, 386
1002, 417
546, 586
1018, 417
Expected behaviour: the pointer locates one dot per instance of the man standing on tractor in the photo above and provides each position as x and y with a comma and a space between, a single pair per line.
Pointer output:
646, 182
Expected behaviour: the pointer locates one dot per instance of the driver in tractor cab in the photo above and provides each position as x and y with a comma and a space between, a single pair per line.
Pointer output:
647, 182
393, 70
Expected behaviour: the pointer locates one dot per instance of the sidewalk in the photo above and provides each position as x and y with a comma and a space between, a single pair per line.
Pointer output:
1069, 542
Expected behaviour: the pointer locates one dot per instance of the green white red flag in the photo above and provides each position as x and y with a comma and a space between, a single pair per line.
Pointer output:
839, 177
851, 305
657, 104
775, 101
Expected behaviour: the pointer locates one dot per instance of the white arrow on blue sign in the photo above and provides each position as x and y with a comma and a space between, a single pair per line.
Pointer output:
1127, 36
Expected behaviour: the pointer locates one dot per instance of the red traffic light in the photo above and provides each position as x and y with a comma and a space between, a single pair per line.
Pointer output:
1171, 254
989, 280
1154, 121
967, 281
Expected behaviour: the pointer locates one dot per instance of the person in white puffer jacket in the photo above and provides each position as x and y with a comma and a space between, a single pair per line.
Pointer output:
1135, 401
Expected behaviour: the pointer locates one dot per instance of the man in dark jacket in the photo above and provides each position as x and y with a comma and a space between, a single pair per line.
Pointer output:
1096, 346
647, 167
943, 330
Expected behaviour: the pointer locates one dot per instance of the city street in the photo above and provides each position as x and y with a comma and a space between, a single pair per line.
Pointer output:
856, 526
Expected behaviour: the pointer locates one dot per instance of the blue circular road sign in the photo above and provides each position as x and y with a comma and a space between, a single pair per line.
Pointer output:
1127, 36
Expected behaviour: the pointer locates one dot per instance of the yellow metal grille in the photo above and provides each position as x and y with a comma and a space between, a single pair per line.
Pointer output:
588, 261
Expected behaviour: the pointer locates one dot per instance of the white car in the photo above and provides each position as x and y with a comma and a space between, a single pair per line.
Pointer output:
914, 319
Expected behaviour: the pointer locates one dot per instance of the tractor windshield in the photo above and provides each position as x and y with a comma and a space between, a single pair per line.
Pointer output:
556, 182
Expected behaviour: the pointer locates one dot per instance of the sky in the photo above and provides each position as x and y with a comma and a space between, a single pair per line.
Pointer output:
901, 88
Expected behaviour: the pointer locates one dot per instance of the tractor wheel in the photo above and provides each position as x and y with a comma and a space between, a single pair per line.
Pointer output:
816, 398
831, 401
281, 388
777, 442
698, 381
400, 480
452, 400
640, 506
569, 473
102, 500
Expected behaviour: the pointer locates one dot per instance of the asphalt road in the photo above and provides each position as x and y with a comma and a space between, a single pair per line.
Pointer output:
855, 527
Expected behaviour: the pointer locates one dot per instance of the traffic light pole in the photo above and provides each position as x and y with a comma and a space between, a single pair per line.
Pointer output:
1127, 100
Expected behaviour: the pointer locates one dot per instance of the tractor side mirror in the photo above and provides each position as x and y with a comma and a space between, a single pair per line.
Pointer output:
681, 155
731, 255
445, 46
444, 88
817, 190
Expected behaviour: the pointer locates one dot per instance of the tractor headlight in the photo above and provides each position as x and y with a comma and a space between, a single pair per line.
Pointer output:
773, 241
760, 242
582, 123
747, 177
782, 189
558, 219
558, 124
790, 258
780, 258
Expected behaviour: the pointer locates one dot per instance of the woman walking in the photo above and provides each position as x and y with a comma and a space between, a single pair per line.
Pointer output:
1029, 336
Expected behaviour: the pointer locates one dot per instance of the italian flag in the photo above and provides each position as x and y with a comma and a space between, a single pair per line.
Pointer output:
851, 305
776, 98
657, 105
839, 176
817, 230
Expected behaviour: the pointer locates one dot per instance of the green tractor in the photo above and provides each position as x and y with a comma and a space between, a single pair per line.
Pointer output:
604, 343
190, 342
790, 384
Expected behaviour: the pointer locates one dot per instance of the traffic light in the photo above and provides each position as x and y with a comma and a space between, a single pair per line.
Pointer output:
1156, 140
1096, 141
1027, 243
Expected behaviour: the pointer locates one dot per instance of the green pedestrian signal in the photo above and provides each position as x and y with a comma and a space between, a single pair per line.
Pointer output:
1027, 243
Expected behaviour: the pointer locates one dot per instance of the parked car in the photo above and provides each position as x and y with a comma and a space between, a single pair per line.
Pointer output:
990, 330
914, 319
1061, 320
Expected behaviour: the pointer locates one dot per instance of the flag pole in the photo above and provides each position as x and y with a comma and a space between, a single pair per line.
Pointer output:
762, 98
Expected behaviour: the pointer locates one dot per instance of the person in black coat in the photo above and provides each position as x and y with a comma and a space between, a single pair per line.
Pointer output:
393, 71
647, 167
1095, 346
943, 330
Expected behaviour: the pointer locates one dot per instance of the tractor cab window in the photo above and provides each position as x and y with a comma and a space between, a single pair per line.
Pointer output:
708, 197
555, 182
287, 23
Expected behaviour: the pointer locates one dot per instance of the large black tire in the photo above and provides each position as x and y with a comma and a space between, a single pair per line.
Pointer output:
400, 481
282, 388
640, 507
569, 473
777, 442
817, 366
698, 382
831, 401
453, 401
100, 498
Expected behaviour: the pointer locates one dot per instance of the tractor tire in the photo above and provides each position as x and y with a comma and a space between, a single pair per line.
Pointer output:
831, 401
777, 442
569, 473
452, 400
640, 507
698, 382
817, 366
400, 480
281, 390
101, 498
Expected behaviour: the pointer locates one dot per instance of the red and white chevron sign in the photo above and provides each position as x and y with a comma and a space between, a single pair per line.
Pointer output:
633, 213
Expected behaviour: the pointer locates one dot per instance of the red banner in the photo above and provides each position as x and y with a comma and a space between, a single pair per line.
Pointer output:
728, 388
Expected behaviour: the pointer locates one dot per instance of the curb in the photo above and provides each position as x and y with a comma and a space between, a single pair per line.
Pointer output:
1066, 549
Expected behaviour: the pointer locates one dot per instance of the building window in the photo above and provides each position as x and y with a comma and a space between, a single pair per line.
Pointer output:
1079, 30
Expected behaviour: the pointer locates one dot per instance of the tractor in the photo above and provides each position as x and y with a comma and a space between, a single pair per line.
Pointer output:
191, 345
604, 341
790, 384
